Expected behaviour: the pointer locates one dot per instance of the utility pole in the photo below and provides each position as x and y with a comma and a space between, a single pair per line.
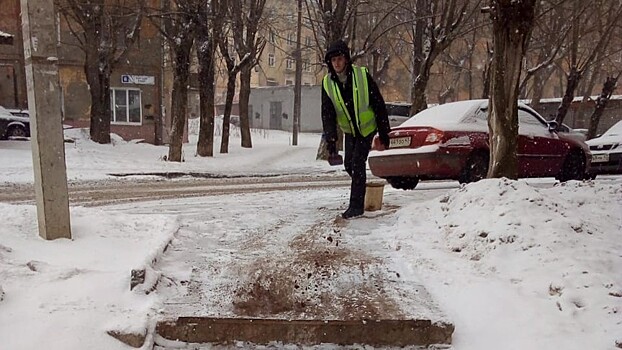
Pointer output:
298, 78
44, 105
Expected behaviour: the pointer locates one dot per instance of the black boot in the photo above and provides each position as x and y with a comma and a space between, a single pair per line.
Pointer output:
352, 212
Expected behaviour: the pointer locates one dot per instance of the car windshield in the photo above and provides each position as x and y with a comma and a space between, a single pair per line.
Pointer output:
616, 129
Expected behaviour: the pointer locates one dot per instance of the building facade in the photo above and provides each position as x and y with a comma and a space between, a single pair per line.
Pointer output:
136, 83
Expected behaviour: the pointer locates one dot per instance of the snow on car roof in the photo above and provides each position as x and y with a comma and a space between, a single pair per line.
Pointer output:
448, 113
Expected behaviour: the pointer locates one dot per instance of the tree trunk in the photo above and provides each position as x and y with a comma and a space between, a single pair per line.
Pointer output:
417, 93
486, 74
573, 79
419, 81
512, 23
99, 87
179, 96
601, 102
539, 81
245, 92
224, 142
579, 114
205, 54
298, 80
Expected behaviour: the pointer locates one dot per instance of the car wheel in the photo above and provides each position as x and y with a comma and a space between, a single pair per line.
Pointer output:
573, 168
403, 183
476, 168
16, 131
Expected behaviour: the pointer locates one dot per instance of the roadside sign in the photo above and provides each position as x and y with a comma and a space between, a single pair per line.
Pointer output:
138, 79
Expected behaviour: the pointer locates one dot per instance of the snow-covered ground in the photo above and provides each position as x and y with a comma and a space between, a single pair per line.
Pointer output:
513, 264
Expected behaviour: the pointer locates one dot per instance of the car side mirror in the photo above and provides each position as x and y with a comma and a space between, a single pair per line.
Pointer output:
553, 125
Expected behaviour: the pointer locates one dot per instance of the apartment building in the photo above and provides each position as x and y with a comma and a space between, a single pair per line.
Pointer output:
136, 83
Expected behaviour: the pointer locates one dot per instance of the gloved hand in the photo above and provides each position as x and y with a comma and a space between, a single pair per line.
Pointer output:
331, 147
384, 139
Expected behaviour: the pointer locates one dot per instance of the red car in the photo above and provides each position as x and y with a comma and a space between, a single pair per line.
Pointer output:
450, 142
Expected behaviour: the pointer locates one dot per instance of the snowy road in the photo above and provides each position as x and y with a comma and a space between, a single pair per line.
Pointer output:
132, 189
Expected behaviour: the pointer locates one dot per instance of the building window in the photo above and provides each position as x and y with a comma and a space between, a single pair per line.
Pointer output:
126, 106
289, 82
289, 64
272, 37
271, 60
307, 66
291, 40
308, 42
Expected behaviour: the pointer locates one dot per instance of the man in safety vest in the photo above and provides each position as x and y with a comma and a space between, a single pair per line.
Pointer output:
352, 101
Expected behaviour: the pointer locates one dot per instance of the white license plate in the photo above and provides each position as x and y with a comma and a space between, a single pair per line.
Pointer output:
600, 158
399, 142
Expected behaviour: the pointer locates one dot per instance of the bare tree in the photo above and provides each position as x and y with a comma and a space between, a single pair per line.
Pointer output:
331, 19
436, 24
512, 23
589, 39
545, 47
601, 102
227, 51
246, 16
375, 36
177, 26
107, 30
221, 35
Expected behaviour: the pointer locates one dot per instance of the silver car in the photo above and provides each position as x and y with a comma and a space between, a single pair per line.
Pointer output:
607, 151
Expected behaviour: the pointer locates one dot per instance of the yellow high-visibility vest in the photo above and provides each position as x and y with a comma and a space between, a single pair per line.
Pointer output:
364, 117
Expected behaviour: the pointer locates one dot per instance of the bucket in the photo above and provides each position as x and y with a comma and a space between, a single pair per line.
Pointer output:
373, 196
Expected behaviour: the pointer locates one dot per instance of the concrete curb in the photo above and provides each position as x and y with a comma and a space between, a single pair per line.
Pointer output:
306, 332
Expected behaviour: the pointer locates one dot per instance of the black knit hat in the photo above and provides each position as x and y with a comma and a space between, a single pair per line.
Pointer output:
337, 48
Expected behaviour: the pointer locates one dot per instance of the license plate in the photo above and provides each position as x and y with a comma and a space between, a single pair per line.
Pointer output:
399, 142
600, 158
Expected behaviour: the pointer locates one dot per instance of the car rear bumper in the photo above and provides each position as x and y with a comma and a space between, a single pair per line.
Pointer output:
426, 166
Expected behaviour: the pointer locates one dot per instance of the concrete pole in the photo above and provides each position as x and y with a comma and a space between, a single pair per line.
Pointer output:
46, 131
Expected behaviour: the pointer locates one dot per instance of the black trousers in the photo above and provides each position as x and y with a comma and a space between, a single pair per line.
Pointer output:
356, 152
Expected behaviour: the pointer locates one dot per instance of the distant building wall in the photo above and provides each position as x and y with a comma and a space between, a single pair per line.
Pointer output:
579, 113
273, 108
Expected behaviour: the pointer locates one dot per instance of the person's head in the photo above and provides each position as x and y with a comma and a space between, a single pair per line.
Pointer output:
338, 57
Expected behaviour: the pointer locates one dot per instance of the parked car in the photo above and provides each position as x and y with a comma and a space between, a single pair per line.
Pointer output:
607, 151
13, 126
398, 112
579, 134
450, 141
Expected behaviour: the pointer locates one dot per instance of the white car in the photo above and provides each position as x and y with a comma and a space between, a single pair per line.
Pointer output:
607, 151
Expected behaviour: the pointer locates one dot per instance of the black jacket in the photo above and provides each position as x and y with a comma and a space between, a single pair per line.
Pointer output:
376, 102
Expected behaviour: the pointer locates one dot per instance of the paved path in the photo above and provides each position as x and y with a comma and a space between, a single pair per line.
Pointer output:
251, 255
